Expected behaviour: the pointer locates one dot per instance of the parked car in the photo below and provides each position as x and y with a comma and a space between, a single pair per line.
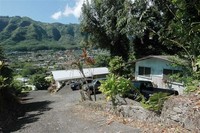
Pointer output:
147, 89
77, 85
94, 85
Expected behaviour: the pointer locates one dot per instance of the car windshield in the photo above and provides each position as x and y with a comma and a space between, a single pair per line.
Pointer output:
136, 84
139, 84
148, 84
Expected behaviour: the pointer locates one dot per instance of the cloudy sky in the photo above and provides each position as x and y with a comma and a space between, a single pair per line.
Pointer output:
63, 11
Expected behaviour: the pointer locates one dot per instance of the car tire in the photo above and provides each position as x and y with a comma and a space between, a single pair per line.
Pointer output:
78, 87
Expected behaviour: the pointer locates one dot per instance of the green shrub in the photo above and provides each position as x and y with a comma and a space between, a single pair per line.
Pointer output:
191, 85
102, 60
113, 86
17, 85
40, 82
119, 67
26, 88
155, 102
116, 65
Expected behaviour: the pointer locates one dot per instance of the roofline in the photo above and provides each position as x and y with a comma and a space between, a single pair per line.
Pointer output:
87, 71
162, 57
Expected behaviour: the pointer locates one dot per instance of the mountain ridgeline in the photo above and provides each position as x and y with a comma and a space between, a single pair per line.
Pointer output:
24, 34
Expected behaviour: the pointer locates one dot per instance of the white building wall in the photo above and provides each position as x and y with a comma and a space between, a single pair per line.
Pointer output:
157, 66
177, 86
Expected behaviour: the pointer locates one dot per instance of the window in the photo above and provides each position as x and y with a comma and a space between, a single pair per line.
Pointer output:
170, 72
145, 71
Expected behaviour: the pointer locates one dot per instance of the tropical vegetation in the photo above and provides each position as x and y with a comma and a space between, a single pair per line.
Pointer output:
165, 27
140, 28
9, 103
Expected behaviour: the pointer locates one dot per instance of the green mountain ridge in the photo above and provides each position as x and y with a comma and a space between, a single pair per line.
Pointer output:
25, 34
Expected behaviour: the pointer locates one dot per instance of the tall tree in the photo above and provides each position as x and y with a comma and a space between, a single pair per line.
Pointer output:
172, 26
99, 19
140, 17
184, 28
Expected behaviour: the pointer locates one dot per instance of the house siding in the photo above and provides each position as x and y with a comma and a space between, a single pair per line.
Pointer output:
156, 76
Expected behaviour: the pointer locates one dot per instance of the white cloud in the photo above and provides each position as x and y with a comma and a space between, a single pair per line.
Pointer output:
75, 11
68, 11
57, 15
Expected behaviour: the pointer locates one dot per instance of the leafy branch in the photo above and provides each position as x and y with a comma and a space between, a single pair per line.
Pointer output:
174, 42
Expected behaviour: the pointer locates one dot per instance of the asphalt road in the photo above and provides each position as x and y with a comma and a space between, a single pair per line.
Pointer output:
62, 113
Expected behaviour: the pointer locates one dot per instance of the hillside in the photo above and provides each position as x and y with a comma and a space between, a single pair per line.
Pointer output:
23, 33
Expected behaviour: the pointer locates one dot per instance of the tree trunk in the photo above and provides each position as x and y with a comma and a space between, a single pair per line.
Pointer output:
83, 98
120, 47
87, 91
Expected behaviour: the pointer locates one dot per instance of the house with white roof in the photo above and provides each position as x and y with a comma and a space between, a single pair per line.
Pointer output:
73, 74
156, 69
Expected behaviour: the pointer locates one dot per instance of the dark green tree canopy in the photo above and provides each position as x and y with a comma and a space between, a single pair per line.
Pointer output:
99, 20
121, 25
